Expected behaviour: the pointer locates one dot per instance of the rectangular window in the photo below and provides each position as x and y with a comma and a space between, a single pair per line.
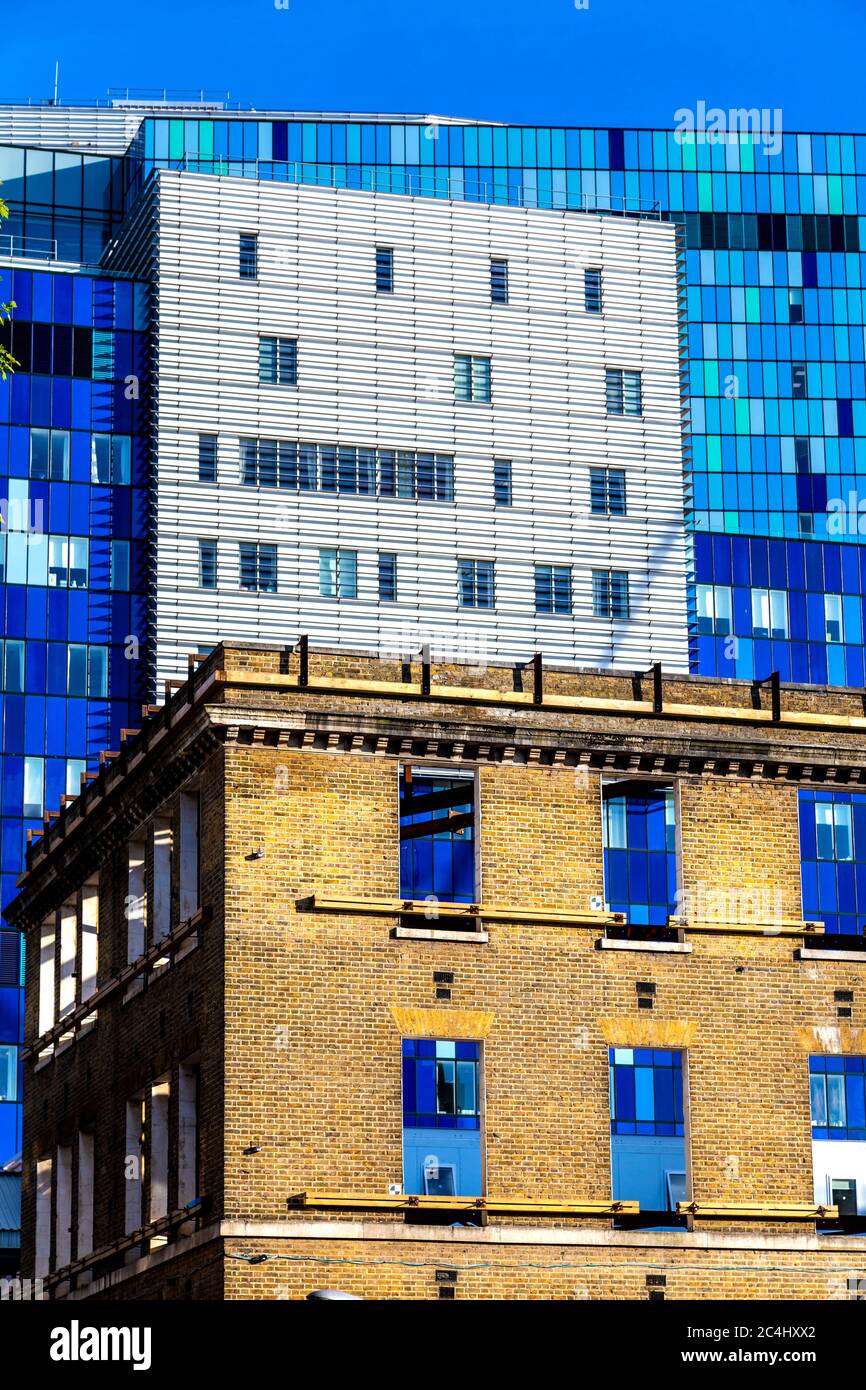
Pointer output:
207, 565
502, 494
640, 853
610, 597
592, 290
553, 589
607, 491
442, 1117
8, 1072
837, 1087
475, 583
49, 455
338, 573
258, 568
12, 665
384, 270
437, 835
623, 392
798, 380
248, 256
769, 613
471, 378
833, 859
68, 954
110, 458
833, 618
67, 562
207, 458
714, 609
795, 306
47, 962
349, 468
89, 937
387, 578
278, 361
647, 1128
498, 281
34, 778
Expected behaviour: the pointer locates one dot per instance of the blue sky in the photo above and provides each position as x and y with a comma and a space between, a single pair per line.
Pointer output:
619, 62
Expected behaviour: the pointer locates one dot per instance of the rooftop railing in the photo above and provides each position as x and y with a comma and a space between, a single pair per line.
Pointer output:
427, 184
42, 248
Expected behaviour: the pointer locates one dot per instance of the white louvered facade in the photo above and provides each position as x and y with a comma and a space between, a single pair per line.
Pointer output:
377, 370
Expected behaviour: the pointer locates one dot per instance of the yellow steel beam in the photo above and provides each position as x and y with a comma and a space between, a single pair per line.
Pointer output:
760, 1211
780, 928
527, 1205
432, 908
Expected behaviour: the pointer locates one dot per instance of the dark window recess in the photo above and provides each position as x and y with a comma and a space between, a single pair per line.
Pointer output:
844, 996
446, 1276
807, 233
498, 282
248, 256
656, 1281
447, 1291
49, 349
384, 270
443, 977
446, 994
644, 1002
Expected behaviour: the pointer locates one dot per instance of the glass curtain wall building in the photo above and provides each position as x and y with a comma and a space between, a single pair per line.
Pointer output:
772, 229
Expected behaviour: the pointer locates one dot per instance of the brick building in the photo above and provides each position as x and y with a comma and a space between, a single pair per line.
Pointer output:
461, 983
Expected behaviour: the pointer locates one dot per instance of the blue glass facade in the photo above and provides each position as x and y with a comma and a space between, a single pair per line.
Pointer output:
73, 480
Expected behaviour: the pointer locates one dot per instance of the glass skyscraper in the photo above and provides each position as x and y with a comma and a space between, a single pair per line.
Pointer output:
771, 235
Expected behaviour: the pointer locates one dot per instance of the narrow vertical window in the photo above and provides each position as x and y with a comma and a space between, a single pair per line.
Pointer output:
47, 955
84, 1226
387, 578
42, 1262
207, 458
498, 281
248, 256
160, 1095
34, 779
162, 857
136, 900
133, 1165
89, 937
189, 855
502, 495
795, 306
68, 956
592, 290
120, 566
798, 380
207, 564
607, 495
63, 1207
187, 1133
384, 270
